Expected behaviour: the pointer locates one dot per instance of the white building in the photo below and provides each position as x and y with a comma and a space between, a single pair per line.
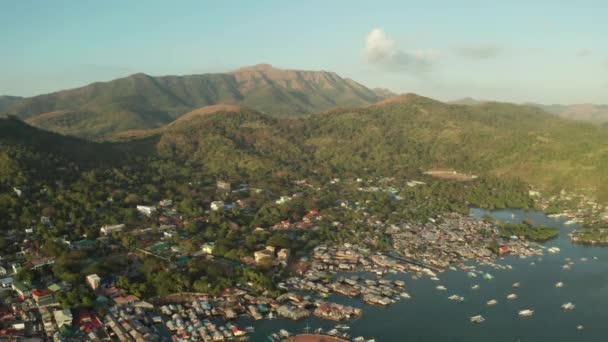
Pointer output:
146, 210
108, 229
217, 205
93, 280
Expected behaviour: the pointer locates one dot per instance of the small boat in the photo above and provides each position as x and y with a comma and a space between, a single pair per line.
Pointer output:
492, 302
477, 319
488, 276
475, 287
456, 298
472, 274
584, 259
434, 279
441, 288
579, 327
516, 285
526, 313
559, 285
553, 250
568, 306
452, 268
405, 295
342, 327
566, 267
512, 296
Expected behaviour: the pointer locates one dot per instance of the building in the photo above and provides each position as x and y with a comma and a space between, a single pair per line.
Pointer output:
217, 205
265, 255
22, 289
223, 186
208, 247
283, 256
109, 229
2, 271
146, 210
93, 281
63, 317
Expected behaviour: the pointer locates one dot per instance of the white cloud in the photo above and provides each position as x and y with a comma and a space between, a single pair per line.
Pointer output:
479, 51
382, 51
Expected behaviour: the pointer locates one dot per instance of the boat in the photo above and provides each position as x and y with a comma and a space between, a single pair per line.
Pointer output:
456, 298
516, 285
488, 276
553, 250
284, 333
474, 287
492, 302
405, 295
512, 296
566, 267
342, 327
452, 268
441, 288
434, 279
477, 319
472, 274
584, 259
568, 306
579, 327
569, 222
526, 313
559, 285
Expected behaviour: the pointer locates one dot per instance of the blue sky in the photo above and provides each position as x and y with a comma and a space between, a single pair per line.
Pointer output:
542, 51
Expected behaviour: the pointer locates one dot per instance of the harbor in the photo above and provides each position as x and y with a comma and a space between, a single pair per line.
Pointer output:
542, 286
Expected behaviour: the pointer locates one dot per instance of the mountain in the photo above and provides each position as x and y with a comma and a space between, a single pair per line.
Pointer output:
582, 112
7, 101
141, 101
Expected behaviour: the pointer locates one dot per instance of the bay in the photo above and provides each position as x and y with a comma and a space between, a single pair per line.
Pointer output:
430, 316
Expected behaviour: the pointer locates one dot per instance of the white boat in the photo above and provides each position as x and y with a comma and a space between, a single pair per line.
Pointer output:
568, 306
474, 287
566, 267
569, 222
526, 313
584, 259
553, 250
477, 319
516, 285
342, 327
559, 285
512, 296
492, 302
472, 274
488, 276
405, 295
456, 298
441, 288
434, 279
579, 327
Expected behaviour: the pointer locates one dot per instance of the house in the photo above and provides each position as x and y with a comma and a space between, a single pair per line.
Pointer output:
265, 255
93, 281
6, 282
208, 247
40, 295
22, 289
2, 271
165, 203
146, 210
283, 256
283, 199
217, 205
222, 186
109, 229
63, 317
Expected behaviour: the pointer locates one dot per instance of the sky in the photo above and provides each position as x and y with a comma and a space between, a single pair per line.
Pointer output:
511, 50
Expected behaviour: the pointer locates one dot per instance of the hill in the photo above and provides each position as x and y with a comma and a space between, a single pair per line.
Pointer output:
142, 102
7, 101
584, 112
401, 136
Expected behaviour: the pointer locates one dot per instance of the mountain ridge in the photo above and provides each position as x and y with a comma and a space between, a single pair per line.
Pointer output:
141, 101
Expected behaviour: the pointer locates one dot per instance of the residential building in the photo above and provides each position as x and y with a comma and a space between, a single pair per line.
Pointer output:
208, 247
223, 186
93, 281
146, 210
63, 317
217, 205
109, 229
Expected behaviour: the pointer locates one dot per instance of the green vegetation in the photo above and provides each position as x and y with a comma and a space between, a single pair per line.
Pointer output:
528, 230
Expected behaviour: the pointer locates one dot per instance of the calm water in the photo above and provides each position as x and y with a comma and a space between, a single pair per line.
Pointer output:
430, 316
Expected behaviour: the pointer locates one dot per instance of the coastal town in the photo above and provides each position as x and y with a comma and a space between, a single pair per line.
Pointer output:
44, 308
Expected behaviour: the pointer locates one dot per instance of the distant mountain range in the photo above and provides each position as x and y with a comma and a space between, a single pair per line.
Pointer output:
141, 101
597, 114
7, 101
